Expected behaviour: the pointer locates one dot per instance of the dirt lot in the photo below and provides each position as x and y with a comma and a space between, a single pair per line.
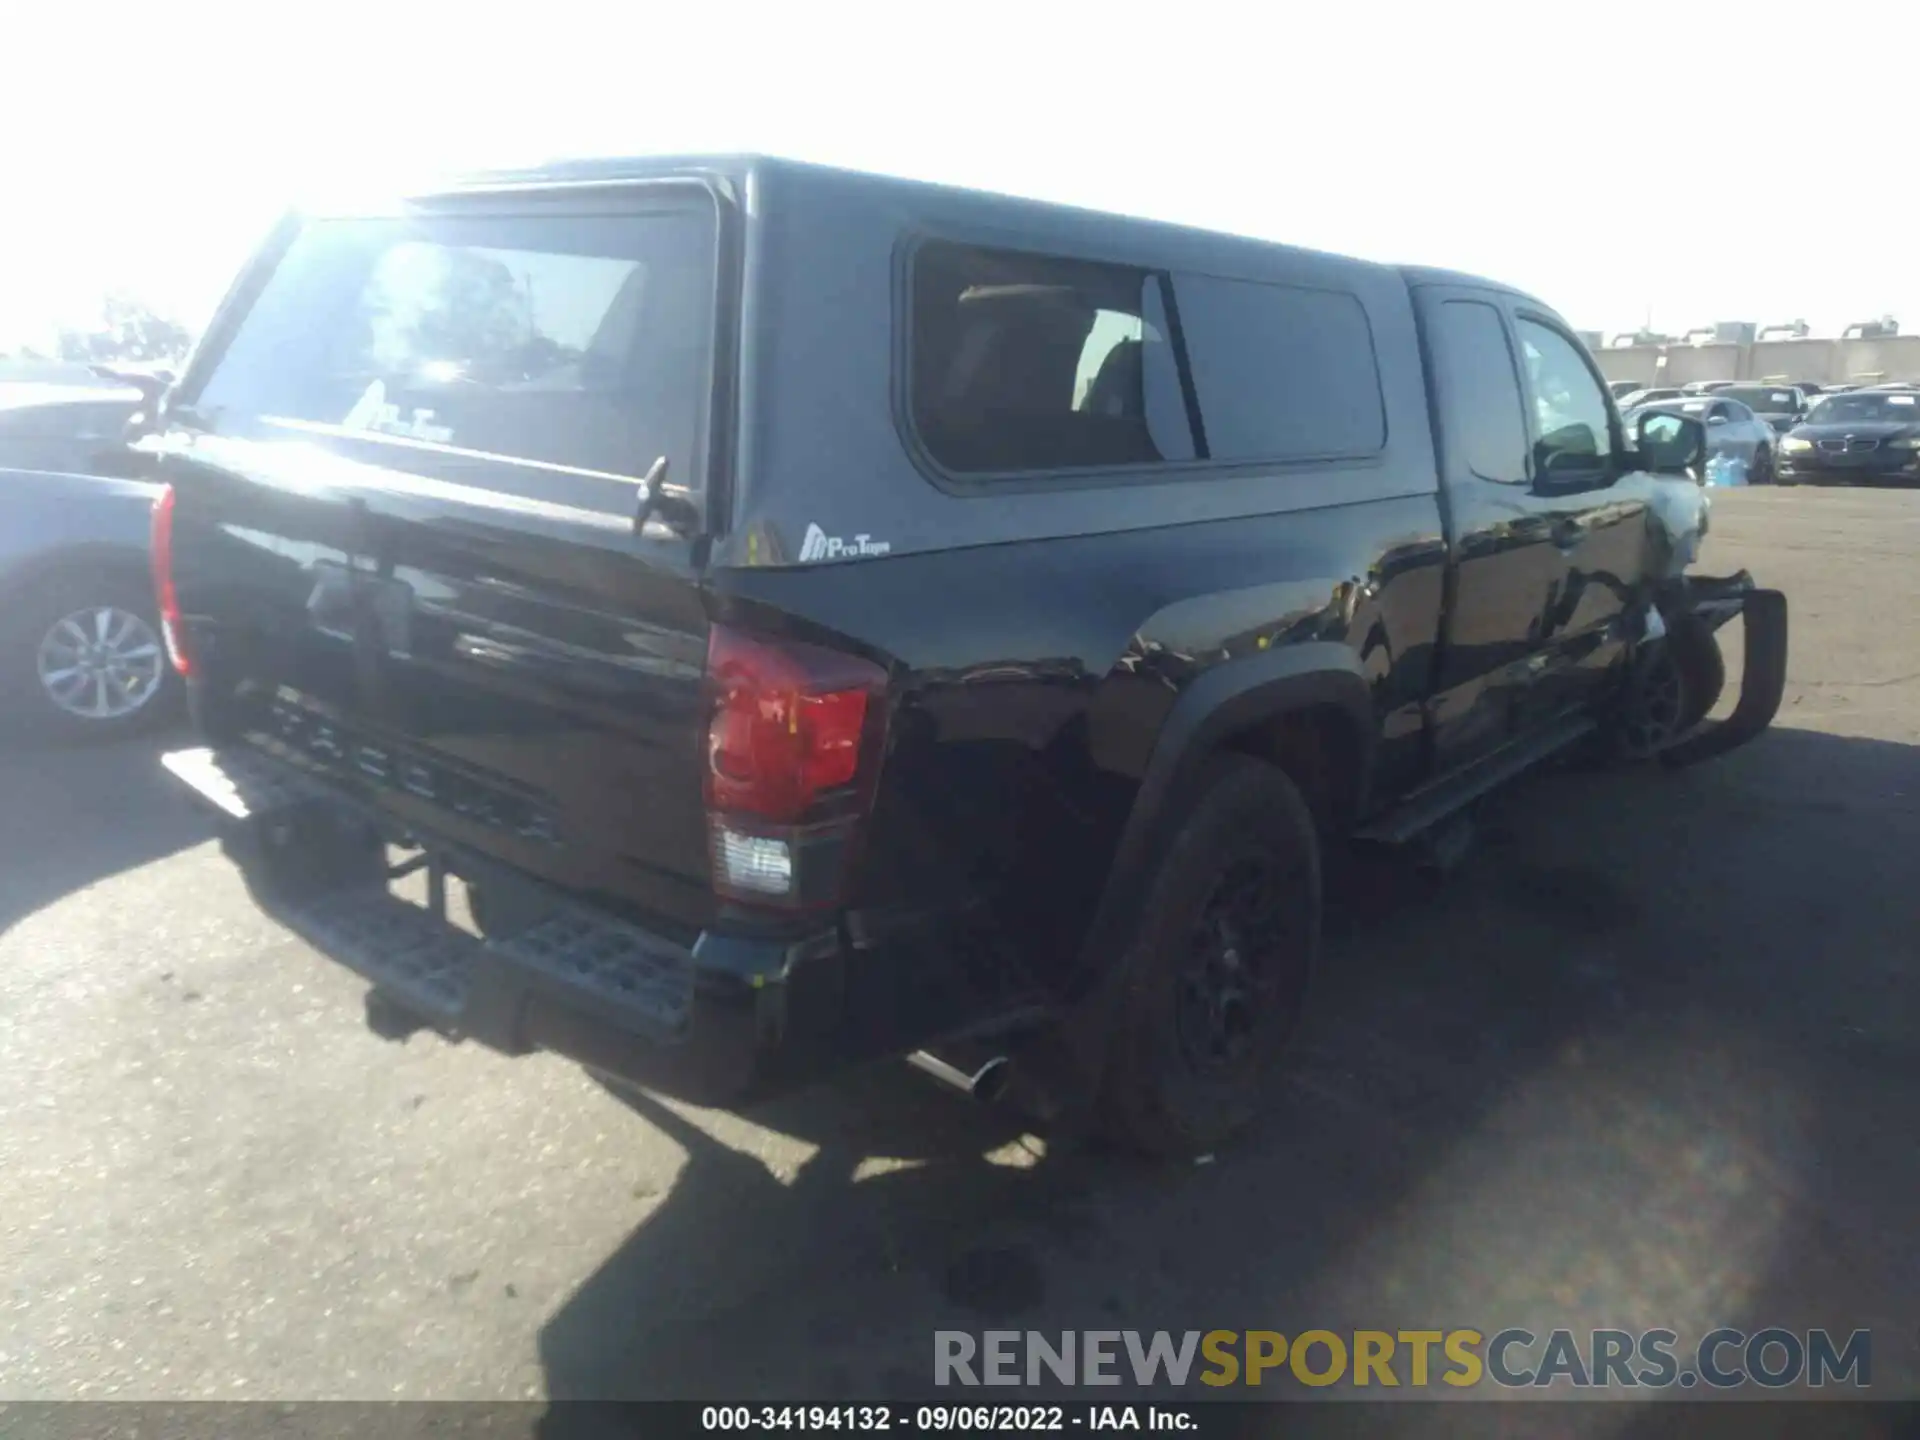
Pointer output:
1653, 1058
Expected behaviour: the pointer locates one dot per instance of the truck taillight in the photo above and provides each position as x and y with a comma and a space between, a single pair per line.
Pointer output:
171, 626
793, 741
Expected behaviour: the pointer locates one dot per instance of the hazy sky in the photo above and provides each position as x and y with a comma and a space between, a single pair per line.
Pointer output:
1703, 161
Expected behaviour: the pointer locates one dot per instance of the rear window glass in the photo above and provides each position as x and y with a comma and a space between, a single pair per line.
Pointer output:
1024, 363
1283, 373
573, 349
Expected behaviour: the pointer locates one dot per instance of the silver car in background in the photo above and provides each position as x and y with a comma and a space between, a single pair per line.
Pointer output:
1781, 406
1734, 433
1650, 395
80, 646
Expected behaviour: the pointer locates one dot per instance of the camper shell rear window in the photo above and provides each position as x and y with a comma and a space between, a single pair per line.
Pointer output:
553, 355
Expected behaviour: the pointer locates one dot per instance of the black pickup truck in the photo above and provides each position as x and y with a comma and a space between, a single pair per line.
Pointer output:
784, 618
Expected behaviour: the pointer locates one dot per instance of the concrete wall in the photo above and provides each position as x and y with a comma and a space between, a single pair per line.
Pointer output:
1795, 360
1895, 358
1640, 363
1825, 362
1701, 362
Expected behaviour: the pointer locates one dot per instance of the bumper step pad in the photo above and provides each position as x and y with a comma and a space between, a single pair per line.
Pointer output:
239, 783
456, 981
420, 960
605, 959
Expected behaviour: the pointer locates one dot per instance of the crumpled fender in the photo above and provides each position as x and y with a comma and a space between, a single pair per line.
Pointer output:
1679, 509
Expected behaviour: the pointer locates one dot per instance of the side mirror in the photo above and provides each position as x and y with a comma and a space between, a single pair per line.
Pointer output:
1716, 420
1670, 444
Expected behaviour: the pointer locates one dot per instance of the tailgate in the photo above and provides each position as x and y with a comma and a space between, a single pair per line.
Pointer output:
404, 530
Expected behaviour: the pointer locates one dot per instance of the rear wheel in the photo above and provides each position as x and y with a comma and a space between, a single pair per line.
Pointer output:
1217, 976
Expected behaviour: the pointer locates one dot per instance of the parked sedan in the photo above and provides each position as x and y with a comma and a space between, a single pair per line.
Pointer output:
1651, 395
1734, 432
1781, 406
74, 429
80, 648
1858, 437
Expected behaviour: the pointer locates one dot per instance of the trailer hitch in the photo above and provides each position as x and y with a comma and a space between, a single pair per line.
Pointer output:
1763, 675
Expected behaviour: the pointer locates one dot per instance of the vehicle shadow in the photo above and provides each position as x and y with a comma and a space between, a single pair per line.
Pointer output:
74, 814
1644, 1061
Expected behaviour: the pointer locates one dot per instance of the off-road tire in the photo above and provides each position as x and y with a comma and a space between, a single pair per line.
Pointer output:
1247, 827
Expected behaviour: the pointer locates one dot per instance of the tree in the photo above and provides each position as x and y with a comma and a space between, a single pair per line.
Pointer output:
479, 314
473, 313
126, 330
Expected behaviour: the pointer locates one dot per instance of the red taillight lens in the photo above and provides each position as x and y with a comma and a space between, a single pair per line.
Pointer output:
794, 736
168, 597
788, 723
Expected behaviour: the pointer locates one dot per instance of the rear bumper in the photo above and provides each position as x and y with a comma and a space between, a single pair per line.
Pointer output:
723, 1020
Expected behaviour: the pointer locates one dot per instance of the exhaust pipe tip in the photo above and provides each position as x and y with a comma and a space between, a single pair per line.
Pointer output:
989, 1082
986, 1084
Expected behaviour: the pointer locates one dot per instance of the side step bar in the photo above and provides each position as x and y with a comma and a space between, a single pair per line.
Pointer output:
1763, 678
1427, 808
1763, 683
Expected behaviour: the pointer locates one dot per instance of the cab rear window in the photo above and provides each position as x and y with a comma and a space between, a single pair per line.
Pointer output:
1283, 372
555, 356
1023, 363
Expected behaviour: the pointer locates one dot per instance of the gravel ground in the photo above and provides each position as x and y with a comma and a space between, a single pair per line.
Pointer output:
1649, 1059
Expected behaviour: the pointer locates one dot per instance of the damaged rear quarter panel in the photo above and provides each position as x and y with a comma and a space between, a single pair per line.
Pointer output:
1033, 687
